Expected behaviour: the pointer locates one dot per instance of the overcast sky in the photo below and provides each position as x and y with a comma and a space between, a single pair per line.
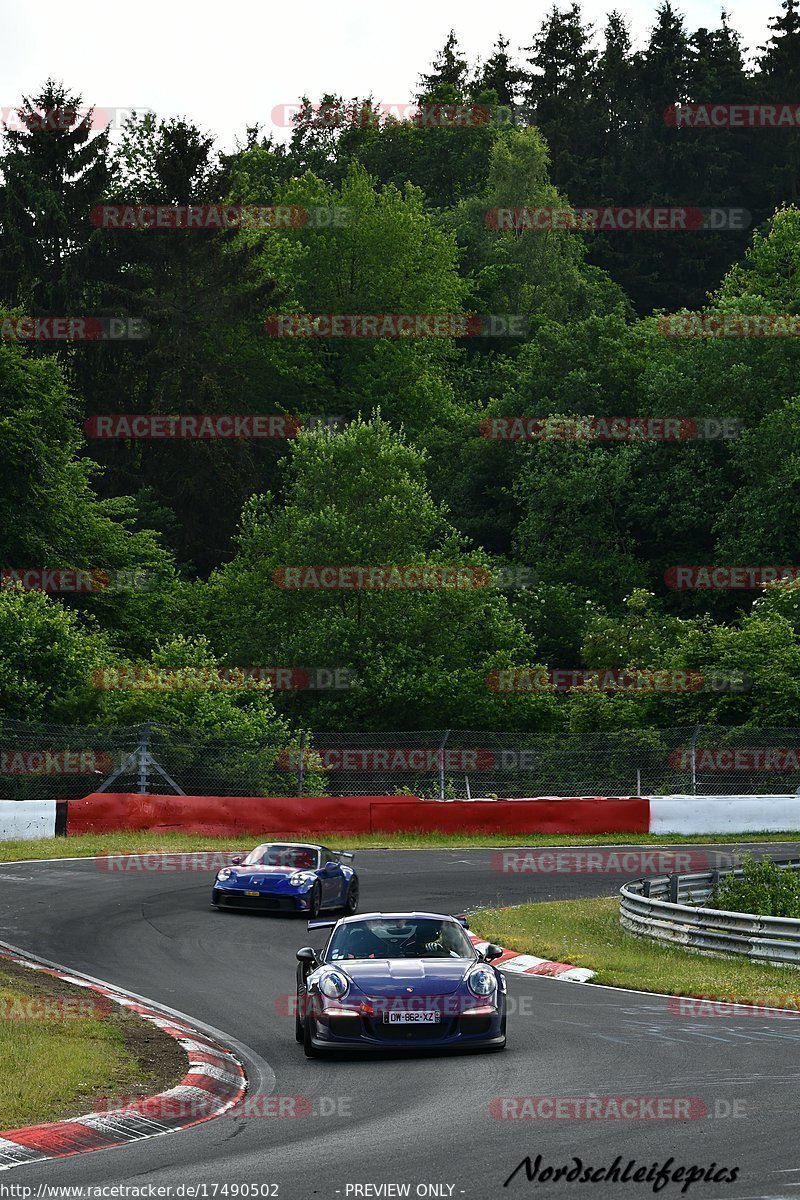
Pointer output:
228, 65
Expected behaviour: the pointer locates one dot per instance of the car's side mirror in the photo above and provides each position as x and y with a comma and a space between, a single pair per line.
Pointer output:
308, 955
236, 860
329, 865
492, 952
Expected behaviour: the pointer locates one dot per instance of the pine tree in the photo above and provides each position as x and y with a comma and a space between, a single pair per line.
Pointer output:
448, 76
779, 81
500, 75
562, 90
54, 171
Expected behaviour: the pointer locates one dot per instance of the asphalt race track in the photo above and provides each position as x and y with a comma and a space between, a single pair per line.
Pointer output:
420, 1120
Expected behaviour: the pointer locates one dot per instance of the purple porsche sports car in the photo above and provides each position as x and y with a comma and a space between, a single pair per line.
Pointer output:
399, 981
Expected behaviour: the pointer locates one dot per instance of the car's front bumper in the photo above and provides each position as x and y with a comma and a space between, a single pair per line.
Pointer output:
264, 902
368, 1033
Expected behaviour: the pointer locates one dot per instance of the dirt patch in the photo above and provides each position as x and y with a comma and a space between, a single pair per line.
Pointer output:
156, 1061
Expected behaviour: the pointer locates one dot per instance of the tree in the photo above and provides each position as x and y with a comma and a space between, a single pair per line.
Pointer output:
421, 658
449, 71
500, 75
53, 171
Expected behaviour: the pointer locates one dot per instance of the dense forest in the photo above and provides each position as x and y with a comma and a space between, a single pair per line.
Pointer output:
571, 542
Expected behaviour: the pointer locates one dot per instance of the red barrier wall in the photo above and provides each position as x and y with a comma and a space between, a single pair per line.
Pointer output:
548, 814
104, 812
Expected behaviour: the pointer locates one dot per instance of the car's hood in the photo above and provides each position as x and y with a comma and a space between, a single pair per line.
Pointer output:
395, 976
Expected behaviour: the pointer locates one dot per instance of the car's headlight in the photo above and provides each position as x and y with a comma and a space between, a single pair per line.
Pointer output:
224, 874
300, 877
334, 985
481, 981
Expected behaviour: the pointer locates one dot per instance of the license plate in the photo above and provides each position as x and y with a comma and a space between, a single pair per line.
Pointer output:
411, 1018
252, 893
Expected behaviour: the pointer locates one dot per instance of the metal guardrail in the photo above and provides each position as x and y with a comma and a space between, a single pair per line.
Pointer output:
656, 908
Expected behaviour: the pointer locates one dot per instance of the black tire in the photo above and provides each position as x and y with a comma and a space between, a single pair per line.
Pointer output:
299, 1035
215, 899
351, 900
316, 902
309, 1050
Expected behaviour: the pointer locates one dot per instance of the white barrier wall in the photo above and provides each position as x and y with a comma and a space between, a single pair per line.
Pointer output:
27, 819
724, 814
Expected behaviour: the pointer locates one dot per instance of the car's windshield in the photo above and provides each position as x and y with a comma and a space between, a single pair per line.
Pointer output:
404, 937
277, 855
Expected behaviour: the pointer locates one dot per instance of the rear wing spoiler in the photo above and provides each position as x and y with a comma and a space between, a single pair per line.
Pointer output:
345, 854
321, 925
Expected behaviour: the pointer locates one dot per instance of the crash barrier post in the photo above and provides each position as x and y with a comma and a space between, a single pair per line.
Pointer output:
648, 910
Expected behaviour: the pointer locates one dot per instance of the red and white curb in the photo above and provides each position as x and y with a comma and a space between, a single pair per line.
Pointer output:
214, 1083
529, 964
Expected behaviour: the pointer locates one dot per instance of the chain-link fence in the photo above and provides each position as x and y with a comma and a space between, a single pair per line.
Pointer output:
59, 762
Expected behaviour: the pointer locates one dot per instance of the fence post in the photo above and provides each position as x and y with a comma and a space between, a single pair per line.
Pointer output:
638, 781
301, 764
694, 759
673, 888
447, 733
143, 754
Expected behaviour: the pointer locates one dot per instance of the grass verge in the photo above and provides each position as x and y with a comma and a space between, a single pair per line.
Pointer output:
587, 933
86, 845
65, 1050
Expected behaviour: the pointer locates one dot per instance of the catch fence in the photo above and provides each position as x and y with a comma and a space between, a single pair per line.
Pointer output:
47, 761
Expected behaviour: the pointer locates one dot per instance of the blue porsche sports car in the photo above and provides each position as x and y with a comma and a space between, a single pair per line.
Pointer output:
288, 877
399, 981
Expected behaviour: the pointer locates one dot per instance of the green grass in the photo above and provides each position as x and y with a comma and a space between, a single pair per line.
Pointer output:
587, 933
154, 840
53, 1065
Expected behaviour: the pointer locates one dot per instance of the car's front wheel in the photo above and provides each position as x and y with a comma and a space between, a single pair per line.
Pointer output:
309, 1048
298, 1024
315, 901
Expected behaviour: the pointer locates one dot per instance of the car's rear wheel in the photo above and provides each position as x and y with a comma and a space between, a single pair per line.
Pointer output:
351, 900
315, 901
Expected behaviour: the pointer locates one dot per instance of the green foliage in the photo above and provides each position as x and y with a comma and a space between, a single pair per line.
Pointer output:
763, 889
